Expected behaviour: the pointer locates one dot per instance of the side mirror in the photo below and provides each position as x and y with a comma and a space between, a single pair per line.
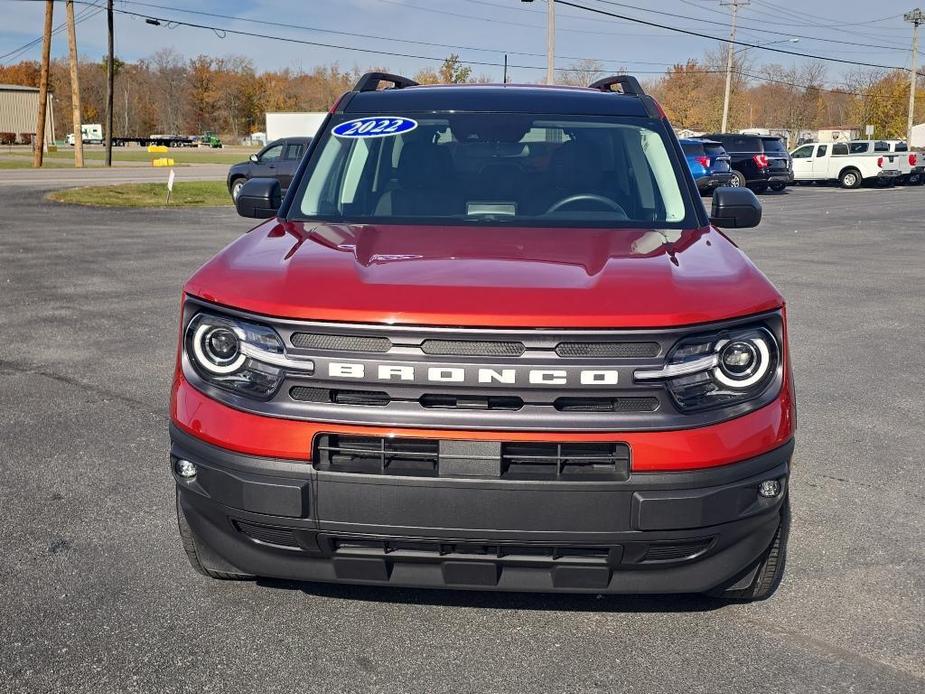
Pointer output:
260, 198
735, 208
254, 158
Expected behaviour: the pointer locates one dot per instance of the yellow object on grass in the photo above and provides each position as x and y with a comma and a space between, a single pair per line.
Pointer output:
160, 149
163, 161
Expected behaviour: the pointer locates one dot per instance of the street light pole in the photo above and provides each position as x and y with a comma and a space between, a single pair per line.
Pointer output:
729, 55
550, 41
916, 17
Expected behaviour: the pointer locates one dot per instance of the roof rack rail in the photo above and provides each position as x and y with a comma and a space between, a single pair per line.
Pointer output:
370, 81
628, 83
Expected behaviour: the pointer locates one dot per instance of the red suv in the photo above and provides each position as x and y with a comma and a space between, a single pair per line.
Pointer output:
492, 340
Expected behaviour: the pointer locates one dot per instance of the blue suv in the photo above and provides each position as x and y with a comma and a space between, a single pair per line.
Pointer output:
708, 163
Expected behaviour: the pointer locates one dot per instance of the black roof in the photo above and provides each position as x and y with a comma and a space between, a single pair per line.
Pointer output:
504, 98
301, 140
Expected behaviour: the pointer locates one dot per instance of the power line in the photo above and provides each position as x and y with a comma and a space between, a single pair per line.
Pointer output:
744, 44
761, 30
85, 13
285, 25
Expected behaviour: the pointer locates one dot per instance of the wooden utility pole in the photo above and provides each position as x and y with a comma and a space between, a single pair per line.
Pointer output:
75, 86
916, 17
730, 54
38, 154
110, 76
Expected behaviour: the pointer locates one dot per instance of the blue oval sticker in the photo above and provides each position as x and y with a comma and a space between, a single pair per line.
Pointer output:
375, 126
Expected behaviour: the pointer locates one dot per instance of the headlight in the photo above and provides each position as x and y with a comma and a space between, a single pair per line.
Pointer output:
718, 370
239, 355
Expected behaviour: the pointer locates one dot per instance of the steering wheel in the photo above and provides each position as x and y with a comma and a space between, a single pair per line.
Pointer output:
607, 202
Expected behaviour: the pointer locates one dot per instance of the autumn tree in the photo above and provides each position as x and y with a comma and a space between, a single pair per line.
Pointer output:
451, 71
582, 73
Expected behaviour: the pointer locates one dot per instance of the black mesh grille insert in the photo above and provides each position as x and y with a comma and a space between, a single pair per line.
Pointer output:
619, 350
268, 534
676, 550
565, 461
375, 455
606, 404
372, 398
341, 343
472, 348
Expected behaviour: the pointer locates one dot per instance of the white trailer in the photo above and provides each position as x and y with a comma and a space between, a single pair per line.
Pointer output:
293, 124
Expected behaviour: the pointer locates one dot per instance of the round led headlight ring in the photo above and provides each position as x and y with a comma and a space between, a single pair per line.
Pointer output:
742, 363
218, 348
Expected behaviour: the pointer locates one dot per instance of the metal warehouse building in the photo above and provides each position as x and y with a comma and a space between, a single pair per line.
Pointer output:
19, 108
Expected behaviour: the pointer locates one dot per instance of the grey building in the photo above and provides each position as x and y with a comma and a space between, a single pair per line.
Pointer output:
19, 109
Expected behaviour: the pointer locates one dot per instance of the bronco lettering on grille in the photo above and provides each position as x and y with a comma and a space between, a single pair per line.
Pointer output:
466, 374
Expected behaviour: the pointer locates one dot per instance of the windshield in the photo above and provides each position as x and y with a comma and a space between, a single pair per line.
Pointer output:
478, 168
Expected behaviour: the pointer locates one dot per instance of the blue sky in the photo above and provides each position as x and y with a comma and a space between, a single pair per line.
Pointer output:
491, 26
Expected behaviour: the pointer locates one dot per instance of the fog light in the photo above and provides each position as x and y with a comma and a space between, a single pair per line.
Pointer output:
185, 469
768, 489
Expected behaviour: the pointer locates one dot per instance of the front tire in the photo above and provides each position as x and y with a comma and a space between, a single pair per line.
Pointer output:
850, 178
770, 567
236, 187
201, 558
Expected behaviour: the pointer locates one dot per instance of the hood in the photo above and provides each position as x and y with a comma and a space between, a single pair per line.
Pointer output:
486, 276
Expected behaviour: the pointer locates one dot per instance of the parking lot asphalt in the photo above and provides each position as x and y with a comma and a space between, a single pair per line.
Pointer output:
97, 596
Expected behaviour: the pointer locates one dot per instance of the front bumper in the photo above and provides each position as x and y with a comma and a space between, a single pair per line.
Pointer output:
651, 533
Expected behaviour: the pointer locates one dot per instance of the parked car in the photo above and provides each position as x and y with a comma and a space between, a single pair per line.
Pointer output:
278, 160
851, 164
709, 164
758, 161
491, 340
911, 165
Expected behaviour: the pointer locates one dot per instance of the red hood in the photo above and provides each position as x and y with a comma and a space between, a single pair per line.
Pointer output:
486, 276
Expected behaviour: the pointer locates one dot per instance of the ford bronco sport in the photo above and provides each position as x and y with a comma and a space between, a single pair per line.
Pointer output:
490, 339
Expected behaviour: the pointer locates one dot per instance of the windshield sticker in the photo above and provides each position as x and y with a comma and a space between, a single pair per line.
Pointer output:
375, 126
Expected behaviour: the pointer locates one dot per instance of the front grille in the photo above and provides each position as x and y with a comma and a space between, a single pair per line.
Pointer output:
606, 404
441, 551
378, 455
472, 348
341, 343
618, 350
530, 460
564, 461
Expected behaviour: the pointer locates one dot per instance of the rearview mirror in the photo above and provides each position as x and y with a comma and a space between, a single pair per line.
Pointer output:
260, 198
254, 158
735, 208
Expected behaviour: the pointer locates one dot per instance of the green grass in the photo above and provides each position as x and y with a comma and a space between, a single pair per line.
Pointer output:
185, 194
142, 155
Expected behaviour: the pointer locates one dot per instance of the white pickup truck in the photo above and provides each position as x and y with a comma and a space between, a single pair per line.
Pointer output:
911, 164
849, 163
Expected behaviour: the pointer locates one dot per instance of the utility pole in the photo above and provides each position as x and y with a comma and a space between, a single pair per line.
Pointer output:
550, 41
110, 76
916, 17
75, 86
38, 154
735, 4
505, 69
